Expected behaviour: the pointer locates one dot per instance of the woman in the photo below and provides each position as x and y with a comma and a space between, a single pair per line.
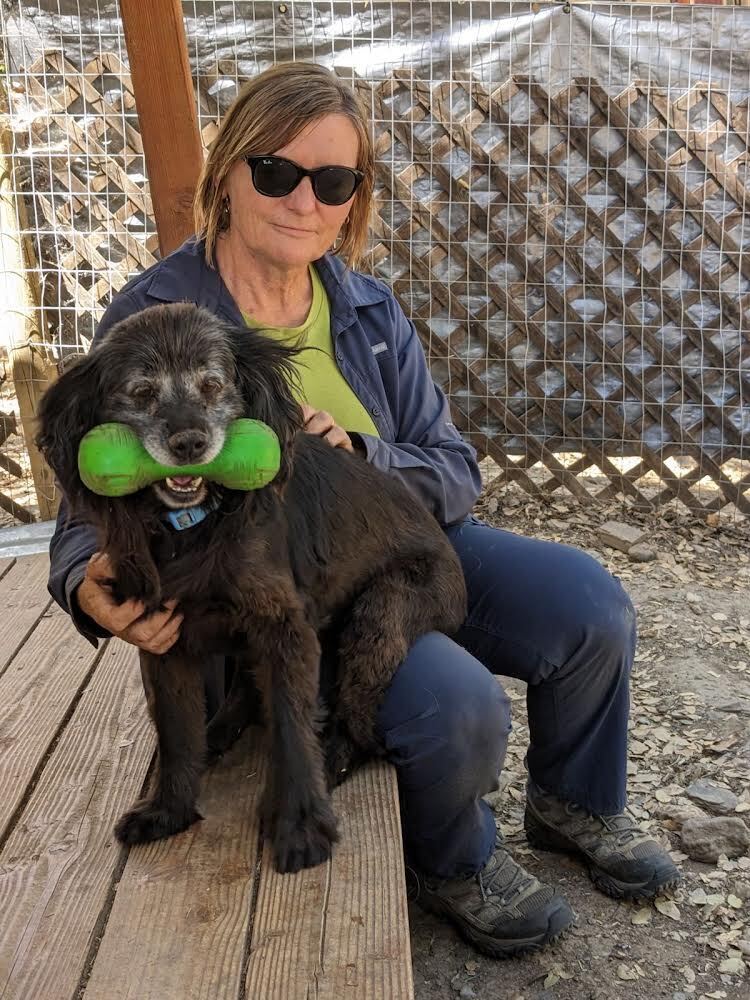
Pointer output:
285, 197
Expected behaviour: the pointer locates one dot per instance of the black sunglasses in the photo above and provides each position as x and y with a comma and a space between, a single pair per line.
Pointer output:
275, 177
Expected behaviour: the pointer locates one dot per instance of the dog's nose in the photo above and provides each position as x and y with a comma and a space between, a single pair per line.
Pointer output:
188, 446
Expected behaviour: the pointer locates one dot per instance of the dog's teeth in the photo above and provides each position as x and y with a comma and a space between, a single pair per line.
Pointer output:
194, 484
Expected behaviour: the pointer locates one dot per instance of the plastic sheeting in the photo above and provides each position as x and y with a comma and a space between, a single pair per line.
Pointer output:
669, 45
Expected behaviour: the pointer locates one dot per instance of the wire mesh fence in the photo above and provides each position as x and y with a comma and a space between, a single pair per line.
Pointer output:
561, 211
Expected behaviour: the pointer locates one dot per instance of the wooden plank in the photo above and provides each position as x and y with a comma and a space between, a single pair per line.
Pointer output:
340, 930
167, 112
179, 922
5, 565
23, 599
59, 864
36, 693
16, 511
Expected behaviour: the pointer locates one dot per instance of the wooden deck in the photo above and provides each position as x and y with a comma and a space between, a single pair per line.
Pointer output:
202, 915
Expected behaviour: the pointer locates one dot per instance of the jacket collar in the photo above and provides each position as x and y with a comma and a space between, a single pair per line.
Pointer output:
185, 275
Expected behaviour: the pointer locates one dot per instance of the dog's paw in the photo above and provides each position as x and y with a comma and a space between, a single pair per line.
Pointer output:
220, 737
147, 821
342, 755
305, 841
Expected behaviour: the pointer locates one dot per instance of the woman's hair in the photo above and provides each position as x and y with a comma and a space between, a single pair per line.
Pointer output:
269, 112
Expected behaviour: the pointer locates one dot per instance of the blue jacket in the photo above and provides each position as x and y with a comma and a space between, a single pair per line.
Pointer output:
380, 356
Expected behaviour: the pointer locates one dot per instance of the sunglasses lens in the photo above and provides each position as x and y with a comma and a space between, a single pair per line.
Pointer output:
335, 185
274, 177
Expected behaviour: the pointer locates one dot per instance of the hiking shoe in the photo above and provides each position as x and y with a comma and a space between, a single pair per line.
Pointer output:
502, 910
623, 860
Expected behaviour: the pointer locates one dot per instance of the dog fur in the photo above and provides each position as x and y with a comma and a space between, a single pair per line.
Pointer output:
332, 547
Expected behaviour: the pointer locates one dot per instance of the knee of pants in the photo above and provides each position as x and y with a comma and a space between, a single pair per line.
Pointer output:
606, 616
445, 706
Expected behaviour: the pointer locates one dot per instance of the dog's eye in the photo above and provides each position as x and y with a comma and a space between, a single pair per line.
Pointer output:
143, 392
211, 386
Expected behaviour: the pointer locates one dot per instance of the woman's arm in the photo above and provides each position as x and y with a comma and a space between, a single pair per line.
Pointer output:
429, 454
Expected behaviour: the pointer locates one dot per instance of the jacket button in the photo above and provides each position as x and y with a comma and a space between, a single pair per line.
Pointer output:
375, 411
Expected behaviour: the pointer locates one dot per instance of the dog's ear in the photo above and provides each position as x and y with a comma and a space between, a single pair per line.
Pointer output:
125, 538
265, 376
68, 410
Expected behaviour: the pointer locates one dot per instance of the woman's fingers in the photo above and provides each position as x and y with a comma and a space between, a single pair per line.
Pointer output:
157, 632
166, 638
338, 437
319, 422
322, 424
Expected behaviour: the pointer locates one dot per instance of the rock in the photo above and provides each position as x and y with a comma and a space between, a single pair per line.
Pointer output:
744, 947
678, 812
707, 839
719, 801
641, 553
733, 965
735, 707
467, 993
620, 536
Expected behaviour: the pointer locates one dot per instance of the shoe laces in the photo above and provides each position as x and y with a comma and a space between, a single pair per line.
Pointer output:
622, 827
487, 881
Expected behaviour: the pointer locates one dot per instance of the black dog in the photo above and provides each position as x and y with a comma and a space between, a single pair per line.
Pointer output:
332, 545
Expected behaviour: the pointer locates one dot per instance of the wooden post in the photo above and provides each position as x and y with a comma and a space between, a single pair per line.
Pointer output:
165, 100
32, 367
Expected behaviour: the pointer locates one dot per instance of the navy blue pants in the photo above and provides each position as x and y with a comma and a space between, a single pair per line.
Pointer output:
551, 616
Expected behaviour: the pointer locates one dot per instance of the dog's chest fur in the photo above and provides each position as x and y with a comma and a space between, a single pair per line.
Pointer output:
221, 587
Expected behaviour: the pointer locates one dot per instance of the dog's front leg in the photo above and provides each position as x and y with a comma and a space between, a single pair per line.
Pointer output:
175, 695
296, 808
241, 708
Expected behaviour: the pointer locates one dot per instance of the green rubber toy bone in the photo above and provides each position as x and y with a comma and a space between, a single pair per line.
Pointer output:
112, 461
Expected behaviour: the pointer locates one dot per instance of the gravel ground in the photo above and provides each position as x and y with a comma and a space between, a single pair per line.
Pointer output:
690, 720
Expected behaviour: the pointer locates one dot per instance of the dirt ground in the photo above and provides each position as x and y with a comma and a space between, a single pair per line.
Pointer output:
690, 719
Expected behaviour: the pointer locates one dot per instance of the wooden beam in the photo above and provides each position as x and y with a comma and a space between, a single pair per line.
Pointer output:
164, 96
32, 367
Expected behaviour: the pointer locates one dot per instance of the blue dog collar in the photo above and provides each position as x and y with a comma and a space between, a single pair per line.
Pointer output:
188, 517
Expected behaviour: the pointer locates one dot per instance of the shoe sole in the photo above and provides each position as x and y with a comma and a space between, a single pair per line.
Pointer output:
560, 919
544, 838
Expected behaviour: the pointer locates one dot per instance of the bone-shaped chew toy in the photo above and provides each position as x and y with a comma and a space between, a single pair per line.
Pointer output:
112, 462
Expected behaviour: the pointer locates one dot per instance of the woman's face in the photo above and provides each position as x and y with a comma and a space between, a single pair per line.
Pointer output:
297, 229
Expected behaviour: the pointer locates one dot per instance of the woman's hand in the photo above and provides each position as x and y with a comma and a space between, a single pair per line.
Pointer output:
155, 633
321, 423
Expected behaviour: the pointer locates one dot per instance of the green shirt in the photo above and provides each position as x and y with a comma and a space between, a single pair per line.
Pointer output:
321, 383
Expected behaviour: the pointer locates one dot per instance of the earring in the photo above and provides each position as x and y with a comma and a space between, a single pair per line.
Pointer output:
224, 217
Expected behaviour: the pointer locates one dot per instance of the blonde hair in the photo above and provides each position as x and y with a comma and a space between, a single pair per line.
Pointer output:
269, 112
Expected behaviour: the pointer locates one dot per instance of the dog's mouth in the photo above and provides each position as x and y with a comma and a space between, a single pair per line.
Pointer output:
181, 491
186, 485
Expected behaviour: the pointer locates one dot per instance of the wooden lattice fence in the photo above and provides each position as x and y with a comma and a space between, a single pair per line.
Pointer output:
607, 302
573, 262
